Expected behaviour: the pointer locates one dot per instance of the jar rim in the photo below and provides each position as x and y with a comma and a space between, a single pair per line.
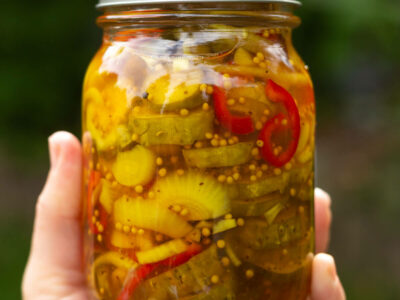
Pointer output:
110, 3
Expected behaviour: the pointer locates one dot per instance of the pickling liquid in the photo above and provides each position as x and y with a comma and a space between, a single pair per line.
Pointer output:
198, 165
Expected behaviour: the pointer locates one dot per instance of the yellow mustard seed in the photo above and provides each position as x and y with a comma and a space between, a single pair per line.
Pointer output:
151, 195
255, 151
252, 167
133, 230
277, 171
236, 176
109, 176
140, 231
226, 75
288, 166
221, 244
209, 135
206, 232
139, 189
292, 192
214, 143
249, 273
184, 212
215, 279
253, 178
228, 216
159, 237
223, 142
229, 179
159, 161
242, 100
96, 212
203, 87
259, 174
180, 172
231, 141
184, 112
260, 55
285, 251
118, 226
263, 65
284, 122
100, 228
266, 112
94, 220
256, 60
174, 159
221, 178
235, 139
266, 33
198, 145
102, 291
240, 222
162, 172
114, 184
176, 208
301, 209
216, 136
264, 167
260, 143
259, 125
206, 106
126, 228
231, 102
210, 90
225, 261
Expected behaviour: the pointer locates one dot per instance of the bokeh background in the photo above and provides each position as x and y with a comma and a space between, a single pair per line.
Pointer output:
353, 50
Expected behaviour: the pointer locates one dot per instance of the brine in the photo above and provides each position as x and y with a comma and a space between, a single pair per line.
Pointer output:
198, 177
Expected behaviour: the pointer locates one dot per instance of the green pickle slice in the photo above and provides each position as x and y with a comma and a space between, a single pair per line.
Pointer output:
172, 129
258, 206
187, 280
225, 156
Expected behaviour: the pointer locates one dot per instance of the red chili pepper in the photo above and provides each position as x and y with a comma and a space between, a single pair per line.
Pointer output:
94, 179
145, 271
235, 124
277, 124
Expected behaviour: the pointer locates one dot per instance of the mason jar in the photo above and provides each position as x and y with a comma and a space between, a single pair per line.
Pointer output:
198, 123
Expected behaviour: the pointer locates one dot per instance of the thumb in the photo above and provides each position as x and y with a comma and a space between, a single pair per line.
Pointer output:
325, 281
56, 251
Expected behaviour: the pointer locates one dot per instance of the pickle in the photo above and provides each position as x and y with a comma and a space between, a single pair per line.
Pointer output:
243, 58
133, 167
258, 234
107, 195
257, 206
200, 195
215, 157
247, 189
176, 90
132, 241
105, 113
190, 278
172, 129
150, 215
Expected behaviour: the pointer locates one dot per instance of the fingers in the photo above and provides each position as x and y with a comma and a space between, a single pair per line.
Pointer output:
325, 284
56, 241
323, 218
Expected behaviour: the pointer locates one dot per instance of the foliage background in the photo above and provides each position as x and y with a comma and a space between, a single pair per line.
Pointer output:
352, 48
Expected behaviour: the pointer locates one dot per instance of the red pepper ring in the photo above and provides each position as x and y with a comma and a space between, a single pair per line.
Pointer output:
143, 272
276, 93
235, 124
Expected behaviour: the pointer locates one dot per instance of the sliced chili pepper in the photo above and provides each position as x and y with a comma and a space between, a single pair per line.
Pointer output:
143, 272
235, 124
280, 124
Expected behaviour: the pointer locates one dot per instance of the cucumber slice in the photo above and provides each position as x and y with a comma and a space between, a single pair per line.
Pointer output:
247, 189
225, 156
176, 90
133, 167
258, 206
202, 196
108, 195
150, 215
190, 278
172, 129
161, 252
105, 114
132, 241
224, 225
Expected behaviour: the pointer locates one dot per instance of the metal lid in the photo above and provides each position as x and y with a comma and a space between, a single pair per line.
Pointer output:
108, 3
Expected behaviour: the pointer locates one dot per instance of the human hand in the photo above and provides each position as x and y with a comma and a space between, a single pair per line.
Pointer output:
55, 270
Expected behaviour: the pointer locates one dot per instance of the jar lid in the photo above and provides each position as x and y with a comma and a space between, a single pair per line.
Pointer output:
108, 3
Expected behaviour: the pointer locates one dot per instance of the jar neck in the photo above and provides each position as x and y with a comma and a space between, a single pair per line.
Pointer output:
236, 14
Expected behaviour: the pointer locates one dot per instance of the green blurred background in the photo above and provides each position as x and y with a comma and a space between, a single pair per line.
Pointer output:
353, 50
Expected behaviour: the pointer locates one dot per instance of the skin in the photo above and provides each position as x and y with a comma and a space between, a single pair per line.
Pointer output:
54, 268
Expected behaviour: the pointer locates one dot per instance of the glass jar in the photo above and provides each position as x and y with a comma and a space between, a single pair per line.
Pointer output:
198, 136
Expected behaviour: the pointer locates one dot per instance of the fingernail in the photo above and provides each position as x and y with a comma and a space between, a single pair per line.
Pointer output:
54, 150
324, 196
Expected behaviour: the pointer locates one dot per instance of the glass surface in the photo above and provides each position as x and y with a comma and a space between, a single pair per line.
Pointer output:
199, 153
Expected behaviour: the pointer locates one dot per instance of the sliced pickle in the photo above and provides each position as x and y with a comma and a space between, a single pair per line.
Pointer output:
301, 173
108, 195
200, 195
243, 58
149, 214
172, 129
247, 189
176, 90
190, 278
259, 234
133, 167
257, 206
216, 157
